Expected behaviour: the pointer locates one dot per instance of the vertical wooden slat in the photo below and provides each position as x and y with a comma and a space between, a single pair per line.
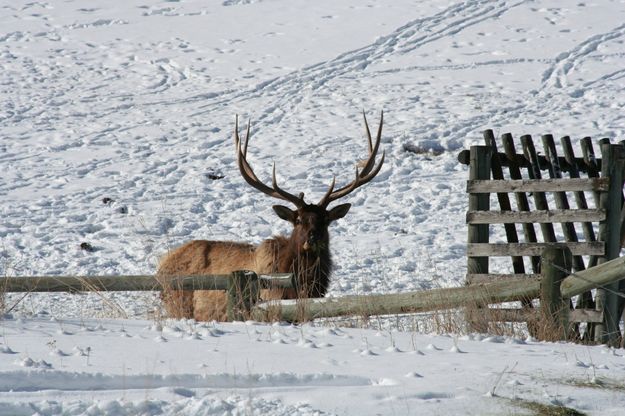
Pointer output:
580, 197
504, 199
553, 309
585, 300
522, 205
521, 198
479, 168
243, 292
592, 169
568, 228
613, 162
591, 163
540, 200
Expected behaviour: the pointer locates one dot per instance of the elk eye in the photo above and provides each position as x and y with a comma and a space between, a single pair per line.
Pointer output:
298, 221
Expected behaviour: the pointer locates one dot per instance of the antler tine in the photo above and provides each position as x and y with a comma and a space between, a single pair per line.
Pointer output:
237, 139
297, 201
369, 171
364, 116
323, 202
236, 134
373, 150
250, 177
247, 137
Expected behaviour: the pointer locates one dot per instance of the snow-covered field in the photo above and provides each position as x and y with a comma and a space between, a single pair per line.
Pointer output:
134, 102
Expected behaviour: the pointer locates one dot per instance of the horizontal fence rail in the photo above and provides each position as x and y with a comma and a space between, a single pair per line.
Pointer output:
541, 216
399, 303
129, 283
421, 301
489, 277
487, 186
447, 298
596, 248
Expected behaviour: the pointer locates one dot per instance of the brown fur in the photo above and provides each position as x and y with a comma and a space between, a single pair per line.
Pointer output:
275, 255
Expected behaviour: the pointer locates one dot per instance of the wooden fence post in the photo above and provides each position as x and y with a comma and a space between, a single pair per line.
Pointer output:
555, 266
243, 293
479, 169
613, 162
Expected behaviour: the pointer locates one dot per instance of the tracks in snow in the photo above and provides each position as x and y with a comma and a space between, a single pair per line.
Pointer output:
290, 88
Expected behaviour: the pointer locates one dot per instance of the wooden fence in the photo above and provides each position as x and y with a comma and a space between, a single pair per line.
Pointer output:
597, 208
243, 289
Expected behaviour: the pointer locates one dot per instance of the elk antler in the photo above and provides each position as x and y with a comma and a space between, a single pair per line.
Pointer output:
369, 170
251, 178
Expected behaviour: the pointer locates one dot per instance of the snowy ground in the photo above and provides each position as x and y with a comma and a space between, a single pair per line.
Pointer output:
135, 101
183, 368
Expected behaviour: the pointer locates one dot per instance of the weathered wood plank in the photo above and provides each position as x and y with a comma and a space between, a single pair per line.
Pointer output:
538, 185
551, 216
436, 299
598, 276
540, 200
531, 249
609, 231
479, 169
243, 292
556, 265
475, 278
521, 197
586, 300
127, 283
562, 202
592, 166
525, 315
481, 157
580, 199
503, 198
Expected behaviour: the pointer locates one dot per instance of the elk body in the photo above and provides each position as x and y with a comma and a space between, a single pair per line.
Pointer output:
305, 253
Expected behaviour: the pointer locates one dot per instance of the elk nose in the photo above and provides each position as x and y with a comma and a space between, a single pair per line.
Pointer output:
310, 243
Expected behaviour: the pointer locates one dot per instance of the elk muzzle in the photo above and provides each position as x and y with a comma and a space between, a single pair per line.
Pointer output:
313, 243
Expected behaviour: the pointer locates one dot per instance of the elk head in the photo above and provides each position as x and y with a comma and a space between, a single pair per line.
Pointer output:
310, 221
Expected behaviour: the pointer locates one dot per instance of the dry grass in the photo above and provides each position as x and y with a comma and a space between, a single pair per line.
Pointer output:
541, 409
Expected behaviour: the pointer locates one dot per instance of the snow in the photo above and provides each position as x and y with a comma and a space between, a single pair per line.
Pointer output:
116, 118
184, 367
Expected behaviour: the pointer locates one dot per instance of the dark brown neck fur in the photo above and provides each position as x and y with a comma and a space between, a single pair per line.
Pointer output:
312, 269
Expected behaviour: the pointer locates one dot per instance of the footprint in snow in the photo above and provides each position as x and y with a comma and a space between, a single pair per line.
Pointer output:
456, 350
57, 352
184, 392
29, 362
4, 349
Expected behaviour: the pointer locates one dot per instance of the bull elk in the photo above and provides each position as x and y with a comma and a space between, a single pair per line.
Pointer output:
306, 252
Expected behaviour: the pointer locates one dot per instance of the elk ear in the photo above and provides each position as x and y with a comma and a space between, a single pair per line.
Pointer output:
285, 213
339, 211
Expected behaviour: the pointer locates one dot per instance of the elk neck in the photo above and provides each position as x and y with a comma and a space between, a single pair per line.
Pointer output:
312, 267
